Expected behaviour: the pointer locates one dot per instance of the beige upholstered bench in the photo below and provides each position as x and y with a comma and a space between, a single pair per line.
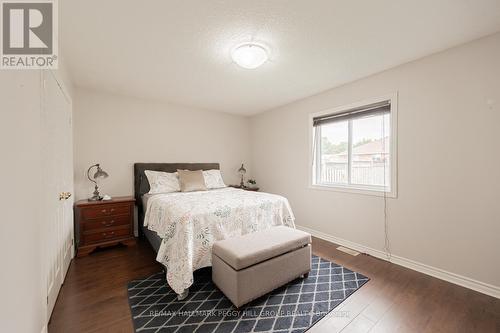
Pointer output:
249, 266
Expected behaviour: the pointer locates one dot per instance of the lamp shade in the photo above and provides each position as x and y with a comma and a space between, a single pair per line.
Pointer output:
100, 173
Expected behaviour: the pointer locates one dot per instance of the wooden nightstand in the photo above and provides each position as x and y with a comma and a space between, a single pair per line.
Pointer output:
255, 189
103, 223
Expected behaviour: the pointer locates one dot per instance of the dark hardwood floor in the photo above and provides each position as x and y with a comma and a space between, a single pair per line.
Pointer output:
94, 296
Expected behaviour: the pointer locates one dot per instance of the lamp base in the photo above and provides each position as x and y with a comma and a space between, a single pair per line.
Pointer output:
96, 196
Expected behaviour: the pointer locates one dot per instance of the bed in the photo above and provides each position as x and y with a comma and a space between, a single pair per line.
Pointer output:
182, 227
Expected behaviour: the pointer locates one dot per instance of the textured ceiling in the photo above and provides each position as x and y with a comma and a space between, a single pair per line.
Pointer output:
179, 51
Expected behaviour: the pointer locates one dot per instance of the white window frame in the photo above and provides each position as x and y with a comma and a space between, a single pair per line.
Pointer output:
353, 188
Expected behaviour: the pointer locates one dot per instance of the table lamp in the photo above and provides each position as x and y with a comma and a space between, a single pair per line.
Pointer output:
99, 174
242, 172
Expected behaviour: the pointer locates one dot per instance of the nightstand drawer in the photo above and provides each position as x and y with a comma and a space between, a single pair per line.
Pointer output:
105, 222
108, 210
110, 234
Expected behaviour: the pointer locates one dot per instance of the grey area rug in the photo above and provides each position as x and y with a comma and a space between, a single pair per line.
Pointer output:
294, 307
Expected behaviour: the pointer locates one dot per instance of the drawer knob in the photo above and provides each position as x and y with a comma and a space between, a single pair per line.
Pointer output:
103, 211
108, 224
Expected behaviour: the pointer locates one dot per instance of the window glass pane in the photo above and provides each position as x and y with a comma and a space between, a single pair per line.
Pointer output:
371, 151
333, 157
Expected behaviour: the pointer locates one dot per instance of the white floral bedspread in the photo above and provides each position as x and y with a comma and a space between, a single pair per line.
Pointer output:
189, 223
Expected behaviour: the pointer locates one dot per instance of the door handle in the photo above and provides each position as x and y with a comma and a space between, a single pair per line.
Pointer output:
64, 195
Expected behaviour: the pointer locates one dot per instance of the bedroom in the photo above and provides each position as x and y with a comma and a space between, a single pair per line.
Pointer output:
368, 127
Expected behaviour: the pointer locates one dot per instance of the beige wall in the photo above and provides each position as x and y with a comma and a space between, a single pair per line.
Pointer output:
447, 214
117, 131
21, 286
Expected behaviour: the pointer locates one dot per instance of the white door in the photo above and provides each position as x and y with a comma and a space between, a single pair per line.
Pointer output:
57, 157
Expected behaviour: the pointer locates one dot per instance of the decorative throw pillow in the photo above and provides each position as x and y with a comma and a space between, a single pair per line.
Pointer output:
213, 179
162, 182
191, 180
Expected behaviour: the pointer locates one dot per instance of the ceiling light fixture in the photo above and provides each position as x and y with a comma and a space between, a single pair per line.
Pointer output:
250, 55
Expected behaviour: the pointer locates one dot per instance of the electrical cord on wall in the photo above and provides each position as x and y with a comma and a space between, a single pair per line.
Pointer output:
387, 244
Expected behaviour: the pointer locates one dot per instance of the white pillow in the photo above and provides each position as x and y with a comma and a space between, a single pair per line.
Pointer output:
213, 179
162, 182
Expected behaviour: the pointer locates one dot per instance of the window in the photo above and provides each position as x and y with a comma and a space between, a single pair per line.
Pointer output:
353, 148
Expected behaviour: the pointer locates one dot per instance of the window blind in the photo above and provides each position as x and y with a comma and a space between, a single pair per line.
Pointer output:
363, 111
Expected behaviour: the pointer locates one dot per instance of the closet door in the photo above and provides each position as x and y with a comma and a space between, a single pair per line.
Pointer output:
57, 157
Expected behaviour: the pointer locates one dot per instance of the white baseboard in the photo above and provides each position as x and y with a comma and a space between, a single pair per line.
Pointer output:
460, 280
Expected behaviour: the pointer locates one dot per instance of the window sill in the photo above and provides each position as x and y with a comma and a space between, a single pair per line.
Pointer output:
353, 190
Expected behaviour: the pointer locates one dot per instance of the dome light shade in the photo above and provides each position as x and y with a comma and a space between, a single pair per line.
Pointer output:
249, 55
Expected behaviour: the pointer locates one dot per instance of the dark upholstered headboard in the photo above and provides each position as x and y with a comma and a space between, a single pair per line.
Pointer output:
141, 184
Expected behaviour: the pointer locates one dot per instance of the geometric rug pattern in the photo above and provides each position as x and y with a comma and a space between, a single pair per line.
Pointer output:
293, 308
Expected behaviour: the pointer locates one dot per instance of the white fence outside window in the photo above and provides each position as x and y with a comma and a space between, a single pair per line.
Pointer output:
371, 173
